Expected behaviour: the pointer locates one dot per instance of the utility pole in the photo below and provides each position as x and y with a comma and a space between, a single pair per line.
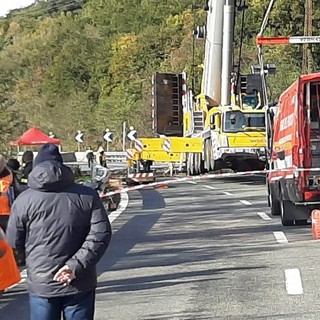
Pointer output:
307, 52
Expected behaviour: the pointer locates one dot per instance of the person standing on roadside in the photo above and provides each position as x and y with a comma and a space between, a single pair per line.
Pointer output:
65, 230
16, 188
6, 194
27, 162
14, 165
102, 159
90, 157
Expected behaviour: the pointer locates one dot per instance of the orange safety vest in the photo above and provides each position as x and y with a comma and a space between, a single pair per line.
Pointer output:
5, 184
9, 272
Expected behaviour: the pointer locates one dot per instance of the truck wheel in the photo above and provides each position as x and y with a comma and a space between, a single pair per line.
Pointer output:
190, 165
202, 167
197, 164
207, 155
212, 161
287, 210
274, 204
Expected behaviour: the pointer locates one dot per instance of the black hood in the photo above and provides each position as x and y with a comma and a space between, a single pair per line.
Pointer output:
50, 176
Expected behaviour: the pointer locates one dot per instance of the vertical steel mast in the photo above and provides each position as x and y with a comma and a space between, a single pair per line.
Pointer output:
213, 52
227, 52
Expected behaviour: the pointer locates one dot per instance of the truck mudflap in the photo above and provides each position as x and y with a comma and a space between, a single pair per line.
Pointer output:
290, 189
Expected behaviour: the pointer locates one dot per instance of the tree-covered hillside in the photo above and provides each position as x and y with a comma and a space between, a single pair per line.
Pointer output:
69, 65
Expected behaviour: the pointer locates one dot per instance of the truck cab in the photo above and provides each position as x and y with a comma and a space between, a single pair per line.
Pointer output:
239, 137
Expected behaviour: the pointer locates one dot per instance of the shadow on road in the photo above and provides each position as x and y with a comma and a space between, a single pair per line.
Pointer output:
164, 280
14, 304
134, 231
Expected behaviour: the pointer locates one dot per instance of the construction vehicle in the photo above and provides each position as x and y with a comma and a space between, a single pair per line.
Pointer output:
293, 143
232, 130
226, 125
294, 177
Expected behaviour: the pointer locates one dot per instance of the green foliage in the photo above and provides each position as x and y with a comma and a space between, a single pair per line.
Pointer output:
87, 65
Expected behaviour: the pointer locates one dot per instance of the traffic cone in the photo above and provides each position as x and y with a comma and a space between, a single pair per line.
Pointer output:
315, 218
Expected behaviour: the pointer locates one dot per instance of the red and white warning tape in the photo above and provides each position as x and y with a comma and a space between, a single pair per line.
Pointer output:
201, 177
188, 178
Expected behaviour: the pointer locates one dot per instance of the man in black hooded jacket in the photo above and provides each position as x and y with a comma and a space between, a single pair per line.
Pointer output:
64, 230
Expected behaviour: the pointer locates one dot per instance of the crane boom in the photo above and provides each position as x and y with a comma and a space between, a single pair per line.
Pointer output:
213, 52
227, 52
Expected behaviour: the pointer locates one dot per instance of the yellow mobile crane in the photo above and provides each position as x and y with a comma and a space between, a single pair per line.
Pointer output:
217, 128
232, 131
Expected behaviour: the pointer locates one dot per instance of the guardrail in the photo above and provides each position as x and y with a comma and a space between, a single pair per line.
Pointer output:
100, 173
111, 156
116, 157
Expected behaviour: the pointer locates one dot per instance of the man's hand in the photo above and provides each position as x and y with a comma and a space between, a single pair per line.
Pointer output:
65, 275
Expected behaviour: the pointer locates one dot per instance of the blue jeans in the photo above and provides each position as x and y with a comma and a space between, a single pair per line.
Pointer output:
75, 307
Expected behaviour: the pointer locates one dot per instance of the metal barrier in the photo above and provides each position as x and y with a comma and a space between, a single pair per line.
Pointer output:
100, 173
111, 156
115, 157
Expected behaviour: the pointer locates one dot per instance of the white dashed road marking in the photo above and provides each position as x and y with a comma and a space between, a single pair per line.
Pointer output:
192, 182
245, 202
228, 193
293, 281
210, 187
280, 237
264, 216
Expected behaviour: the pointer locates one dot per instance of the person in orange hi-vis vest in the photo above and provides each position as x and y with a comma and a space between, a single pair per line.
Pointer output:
9, 272
6, 180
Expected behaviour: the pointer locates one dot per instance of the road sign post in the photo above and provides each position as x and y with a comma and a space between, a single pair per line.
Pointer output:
124, 126
108, 137
132, 135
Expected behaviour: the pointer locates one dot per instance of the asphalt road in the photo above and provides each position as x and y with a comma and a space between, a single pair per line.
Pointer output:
201, 250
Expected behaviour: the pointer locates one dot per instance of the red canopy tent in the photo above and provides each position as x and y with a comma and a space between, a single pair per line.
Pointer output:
34, 136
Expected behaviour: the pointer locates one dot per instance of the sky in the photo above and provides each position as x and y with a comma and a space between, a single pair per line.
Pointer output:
6, 5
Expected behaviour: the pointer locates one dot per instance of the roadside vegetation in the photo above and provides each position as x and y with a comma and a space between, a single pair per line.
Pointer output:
69, 65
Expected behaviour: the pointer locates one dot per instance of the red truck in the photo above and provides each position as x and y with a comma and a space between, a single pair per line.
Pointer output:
294, 162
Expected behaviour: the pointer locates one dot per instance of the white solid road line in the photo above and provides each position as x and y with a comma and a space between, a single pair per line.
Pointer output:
121, 207
228, 193
293, 281
245, 202
210, 187
264, 216
280, 237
